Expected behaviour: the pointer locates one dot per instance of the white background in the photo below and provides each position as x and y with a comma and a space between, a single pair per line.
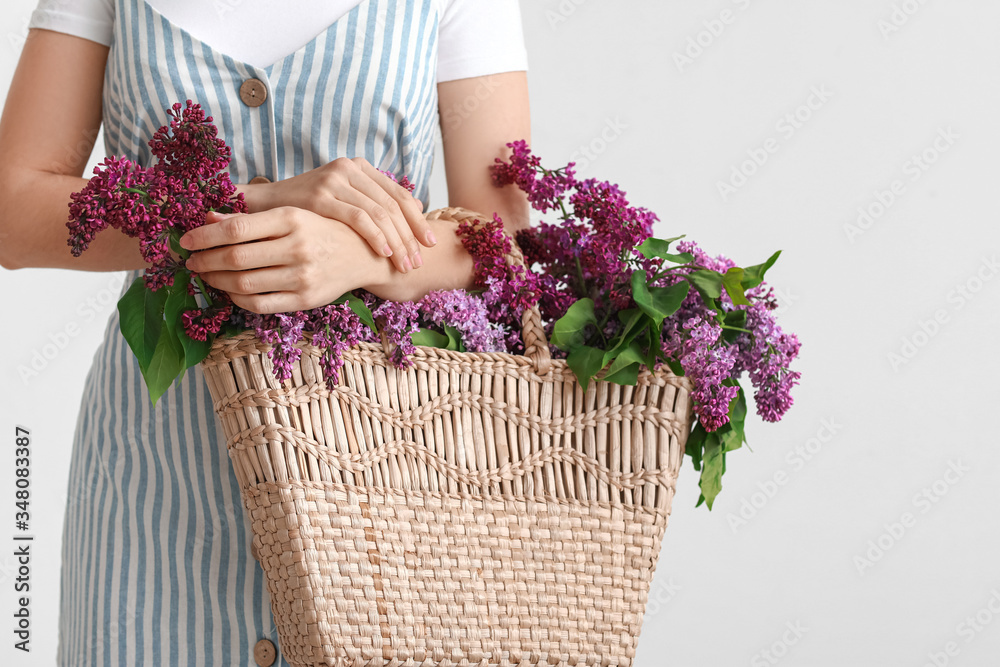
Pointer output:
827, 551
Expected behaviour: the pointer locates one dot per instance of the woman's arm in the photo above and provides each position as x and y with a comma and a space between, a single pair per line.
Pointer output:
49, 125
478, 116
305, 262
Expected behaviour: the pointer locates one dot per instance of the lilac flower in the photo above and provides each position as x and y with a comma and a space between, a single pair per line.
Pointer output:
282, 331
766, 355
467, 313
189, 147
198, 324
404, 181
335, 328
592, 252
708, 364
155, 204
508, 290
398, 322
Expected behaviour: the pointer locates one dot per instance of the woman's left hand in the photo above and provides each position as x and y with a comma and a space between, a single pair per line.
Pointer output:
281, 259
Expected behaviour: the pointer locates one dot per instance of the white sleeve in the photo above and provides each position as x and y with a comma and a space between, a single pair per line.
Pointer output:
90, 19
479, 37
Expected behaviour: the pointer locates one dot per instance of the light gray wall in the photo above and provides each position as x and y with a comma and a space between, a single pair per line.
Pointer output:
873, 547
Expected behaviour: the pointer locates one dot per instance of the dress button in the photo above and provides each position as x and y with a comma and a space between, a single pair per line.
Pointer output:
264, 653
253, 92
259, 179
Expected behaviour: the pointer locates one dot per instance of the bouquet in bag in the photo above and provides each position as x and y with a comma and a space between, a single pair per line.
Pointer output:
615, 301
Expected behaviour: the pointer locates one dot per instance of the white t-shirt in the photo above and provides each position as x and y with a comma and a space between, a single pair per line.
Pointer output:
475, 37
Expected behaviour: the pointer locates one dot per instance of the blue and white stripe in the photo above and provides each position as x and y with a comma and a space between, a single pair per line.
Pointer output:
156, 551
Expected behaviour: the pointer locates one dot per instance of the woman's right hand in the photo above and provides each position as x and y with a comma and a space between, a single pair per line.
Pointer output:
352, 191
286, 258
282, 259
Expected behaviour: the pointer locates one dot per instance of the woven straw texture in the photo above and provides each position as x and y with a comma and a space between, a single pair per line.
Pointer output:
475, 509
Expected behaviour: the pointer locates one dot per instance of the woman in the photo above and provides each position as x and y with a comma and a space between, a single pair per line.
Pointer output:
157, 567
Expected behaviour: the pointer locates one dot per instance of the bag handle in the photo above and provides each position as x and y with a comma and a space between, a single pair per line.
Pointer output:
536, 347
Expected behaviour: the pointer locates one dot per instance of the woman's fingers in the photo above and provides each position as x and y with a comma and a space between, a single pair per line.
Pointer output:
411, 208
274, 302
383, 208
235, 242
225, 229
369, 219
257, 281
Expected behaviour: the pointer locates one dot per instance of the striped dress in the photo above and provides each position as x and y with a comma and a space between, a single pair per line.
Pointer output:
157, 568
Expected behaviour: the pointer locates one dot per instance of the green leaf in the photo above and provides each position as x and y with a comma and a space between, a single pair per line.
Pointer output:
675, 367
140, 313
360, 309
708, 450
667, 300
713, 465
175, 245
178, 300
696, 444
429, 338
654, 346
754, 275
737, 420
454, 338
628, 317
732, 281
708, 282
165, 366
658, 302
633, 321
585, 362
567, 332
736, 318
630, 355
627, 375
661, 248
733, 324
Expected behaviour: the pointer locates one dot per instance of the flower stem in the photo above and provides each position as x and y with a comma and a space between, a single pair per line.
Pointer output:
579, 273
183, 253
204, 291
667, 270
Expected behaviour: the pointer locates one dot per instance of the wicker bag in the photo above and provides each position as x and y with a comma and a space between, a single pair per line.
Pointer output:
474, 509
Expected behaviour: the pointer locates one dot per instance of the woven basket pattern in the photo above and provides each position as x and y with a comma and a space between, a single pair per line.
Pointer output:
475, 509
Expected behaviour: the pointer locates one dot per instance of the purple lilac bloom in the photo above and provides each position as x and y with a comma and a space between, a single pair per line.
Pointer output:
155, 203
282, 331
198, 324
335, 328
764, 354
403, 180
467, 313
708, 364
399, 320
544, 188
508, 290
189, 148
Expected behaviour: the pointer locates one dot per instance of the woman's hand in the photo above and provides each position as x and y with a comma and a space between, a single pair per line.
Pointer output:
355, 193
282, 259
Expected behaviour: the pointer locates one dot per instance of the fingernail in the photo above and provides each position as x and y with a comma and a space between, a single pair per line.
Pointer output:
387, 251
431, 238
184, 242
407, 264
417, 259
